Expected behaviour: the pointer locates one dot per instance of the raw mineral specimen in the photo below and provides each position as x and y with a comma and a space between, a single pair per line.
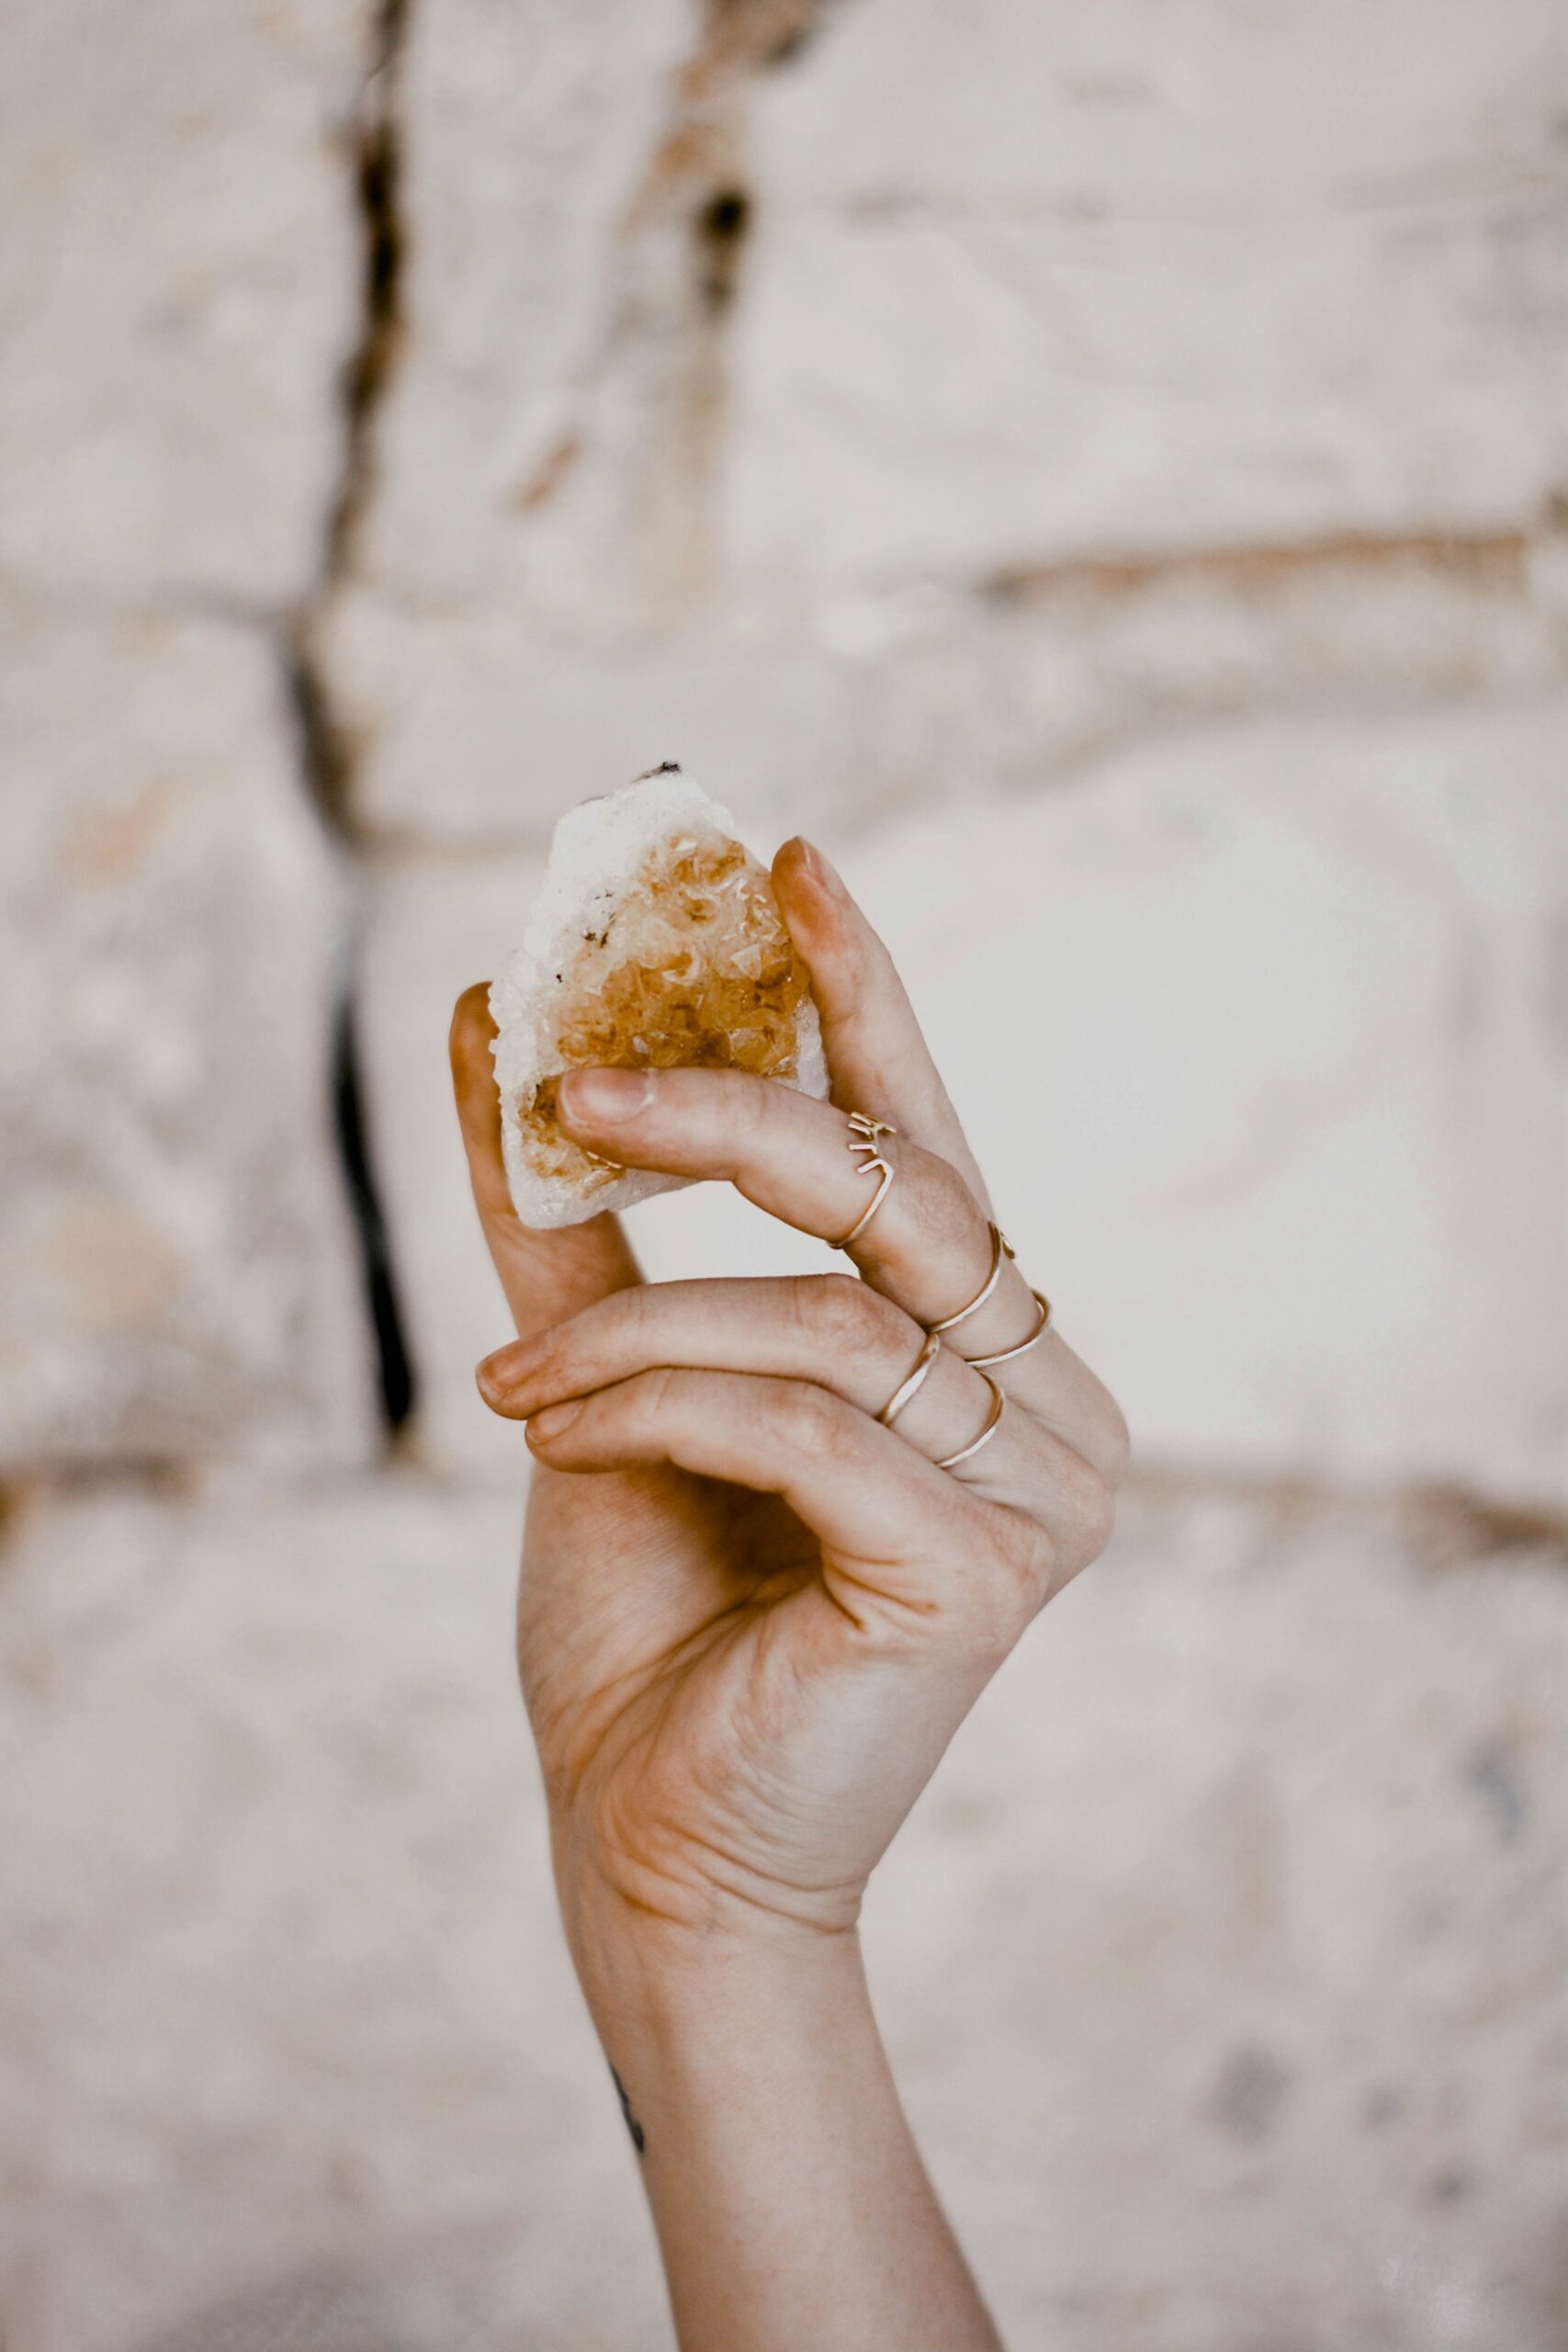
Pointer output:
656, 939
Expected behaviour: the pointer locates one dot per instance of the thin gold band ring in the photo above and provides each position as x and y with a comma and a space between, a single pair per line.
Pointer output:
993, 1423
1006, 1356
1001, 1248
930, 1350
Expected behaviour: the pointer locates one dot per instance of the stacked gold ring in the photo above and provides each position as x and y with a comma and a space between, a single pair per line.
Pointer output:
994, 1422
916, 1380
863, 1142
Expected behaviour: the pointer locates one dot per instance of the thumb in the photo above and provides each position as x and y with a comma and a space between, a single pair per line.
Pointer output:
546, 1276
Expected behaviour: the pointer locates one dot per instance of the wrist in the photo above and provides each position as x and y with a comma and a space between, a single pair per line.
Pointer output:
647, 1974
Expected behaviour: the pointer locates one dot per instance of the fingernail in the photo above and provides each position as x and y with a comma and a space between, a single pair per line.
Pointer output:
601, 1097
552, 1420
821, 873
493, 1373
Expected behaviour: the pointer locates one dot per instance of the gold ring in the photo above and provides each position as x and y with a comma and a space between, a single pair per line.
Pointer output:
1001, 1248
930, 1350
863, 1132
1006, 1356
999, 1406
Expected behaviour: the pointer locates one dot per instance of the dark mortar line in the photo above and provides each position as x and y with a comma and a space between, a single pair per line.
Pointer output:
378, 188
325, 755
1448, 1515
322, 771
396, 1378
1494, 559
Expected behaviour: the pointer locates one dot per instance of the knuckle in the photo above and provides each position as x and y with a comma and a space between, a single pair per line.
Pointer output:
652, 1398
809, 1419
938, 1200
1012, 1582
1082, 1514
842, 1314
753, 1111
594, 1343
1117, 1444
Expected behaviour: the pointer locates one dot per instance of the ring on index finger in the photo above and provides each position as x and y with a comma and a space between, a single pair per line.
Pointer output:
863, 1136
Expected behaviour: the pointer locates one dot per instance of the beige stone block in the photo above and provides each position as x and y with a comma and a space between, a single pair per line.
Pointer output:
467, 735
178, 1276
1256, 1036
180, 281
1117, 106
1221, 1966
529, 133
918, 392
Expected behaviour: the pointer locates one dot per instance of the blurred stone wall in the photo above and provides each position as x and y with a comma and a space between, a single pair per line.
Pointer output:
1102, 470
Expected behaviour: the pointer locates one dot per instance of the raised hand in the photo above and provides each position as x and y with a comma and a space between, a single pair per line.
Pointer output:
746, 1640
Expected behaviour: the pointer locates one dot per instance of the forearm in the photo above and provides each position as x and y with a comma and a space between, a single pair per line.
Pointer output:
790, 2201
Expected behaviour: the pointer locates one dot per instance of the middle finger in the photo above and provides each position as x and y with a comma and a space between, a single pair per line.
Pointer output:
826, 1328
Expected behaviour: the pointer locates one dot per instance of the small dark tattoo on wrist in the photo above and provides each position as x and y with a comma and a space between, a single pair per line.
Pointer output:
640, 2138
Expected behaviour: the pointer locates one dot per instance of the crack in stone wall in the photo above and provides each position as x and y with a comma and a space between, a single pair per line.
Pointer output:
684, 244
325, 754
1491, 559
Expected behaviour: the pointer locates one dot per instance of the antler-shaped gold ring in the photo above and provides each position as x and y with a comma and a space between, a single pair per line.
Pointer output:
863, 1132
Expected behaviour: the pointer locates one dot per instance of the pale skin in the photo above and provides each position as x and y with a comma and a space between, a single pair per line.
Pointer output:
750, 1618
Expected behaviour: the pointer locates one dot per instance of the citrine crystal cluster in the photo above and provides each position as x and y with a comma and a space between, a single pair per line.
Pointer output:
656, 941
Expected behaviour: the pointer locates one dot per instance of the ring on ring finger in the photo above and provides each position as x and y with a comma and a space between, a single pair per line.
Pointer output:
911, 1388
993, 1423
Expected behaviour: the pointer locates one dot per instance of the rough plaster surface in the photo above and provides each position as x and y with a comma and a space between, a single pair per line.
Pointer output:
178, 281
178, 1277
1256, 1032
1220, 1966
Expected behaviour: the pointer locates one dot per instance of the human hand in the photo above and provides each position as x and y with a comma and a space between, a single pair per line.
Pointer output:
750, 1617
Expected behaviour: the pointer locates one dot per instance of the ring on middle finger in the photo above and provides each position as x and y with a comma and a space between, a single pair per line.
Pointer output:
1001, 1248
1006, 1356
993, 1422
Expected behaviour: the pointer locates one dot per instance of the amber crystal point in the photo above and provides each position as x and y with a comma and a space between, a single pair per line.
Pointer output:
656, 939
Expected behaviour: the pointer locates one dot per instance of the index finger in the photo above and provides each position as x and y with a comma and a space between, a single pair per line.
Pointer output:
546, 1275
879, 1060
